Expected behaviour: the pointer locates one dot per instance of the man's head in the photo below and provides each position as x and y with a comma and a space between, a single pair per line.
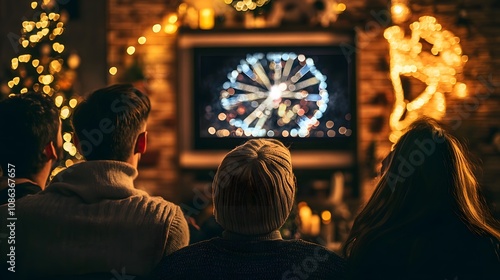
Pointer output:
111, 123
30, 133
254, 187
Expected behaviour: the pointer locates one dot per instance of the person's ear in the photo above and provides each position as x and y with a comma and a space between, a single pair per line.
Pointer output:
141, 143
50, 151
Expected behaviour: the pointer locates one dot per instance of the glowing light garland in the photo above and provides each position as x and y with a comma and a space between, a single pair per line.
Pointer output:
246, 5
437, 69
170, 27
171, 22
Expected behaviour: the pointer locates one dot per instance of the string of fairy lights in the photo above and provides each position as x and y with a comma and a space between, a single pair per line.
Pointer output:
204, 19
246, 5
170, 27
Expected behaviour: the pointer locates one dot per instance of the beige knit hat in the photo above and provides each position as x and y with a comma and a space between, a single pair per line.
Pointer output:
254, 187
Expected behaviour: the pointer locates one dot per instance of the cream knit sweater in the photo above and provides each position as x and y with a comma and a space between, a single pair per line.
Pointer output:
92, 219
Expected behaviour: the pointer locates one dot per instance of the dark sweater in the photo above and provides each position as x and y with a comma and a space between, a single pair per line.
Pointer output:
231, 257
20, 190
446, 250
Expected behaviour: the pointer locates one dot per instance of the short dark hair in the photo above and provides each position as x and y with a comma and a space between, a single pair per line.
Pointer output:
108, 122
28, 122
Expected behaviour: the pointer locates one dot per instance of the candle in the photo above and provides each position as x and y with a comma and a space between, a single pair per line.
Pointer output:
326, 217
305, 218
207, 18
337, 188
192, 17
315, 225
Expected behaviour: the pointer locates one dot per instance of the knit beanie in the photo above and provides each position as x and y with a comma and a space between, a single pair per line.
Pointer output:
254, 187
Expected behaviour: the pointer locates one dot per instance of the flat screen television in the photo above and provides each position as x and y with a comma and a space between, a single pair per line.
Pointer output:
297, 87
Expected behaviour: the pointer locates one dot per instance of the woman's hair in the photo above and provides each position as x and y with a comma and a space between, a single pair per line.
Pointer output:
428, 175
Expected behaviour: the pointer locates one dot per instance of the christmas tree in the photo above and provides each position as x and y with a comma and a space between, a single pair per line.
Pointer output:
44, 66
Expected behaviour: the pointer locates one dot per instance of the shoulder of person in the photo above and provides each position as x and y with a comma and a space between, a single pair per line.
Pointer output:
157, 204
184, 261
319, 251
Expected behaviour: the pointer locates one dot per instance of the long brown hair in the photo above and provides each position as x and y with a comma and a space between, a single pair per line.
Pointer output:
427, 175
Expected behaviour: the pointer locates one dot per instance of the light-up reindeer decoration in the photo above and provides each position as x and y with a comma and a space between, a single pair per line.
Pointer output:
437, 69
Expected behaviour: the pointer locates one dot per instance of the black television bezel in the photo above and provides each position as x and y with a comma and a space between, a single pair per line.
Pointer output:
195, 151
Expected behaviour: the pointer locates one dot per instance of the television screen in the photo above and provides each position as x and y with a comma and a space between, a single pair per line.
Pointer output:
297, 86
301, 95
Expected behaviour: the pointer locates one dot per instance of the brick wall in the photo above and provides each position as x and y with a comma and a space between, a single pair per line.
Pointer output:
127, 21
